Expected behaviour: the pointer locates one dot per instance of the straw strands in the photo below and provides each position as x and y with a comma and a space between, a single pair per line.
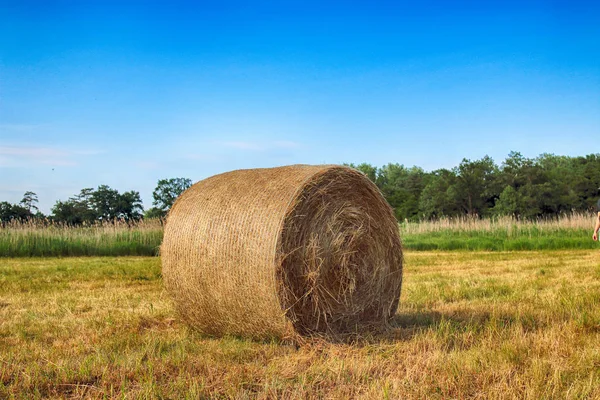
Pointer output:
282, 252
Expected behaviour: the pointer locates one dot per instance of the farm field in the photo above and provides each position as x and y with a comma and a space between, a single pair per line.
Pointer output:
470, 325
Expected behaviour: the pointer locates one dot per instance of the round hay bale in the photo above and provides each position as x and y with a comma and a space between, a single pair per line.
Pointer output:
278, 252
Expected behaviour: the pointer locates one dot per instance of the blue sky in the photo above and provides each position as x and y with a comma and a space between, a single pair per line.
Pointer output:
126, 93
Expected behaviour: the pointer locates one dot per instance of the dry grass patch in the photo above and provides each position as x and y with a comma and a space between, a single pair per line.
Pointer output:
471, 325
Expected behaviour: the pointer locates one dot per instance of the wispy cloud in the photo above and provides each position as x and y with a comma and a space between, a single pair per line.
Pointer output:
149, 165
32, 151
20, 188
14, 156
243, 145
20, 127
286, 144
202, 157
55, 162
262, 146
87, 152
4, 161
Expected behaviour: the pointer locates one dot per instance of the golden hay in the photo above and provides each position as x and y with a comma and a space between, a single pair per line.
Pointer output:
281, 252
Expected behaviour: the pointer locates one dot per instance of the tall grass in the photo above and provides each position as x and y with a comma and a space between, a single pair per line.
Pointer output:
511, 225
44, 239
568, 231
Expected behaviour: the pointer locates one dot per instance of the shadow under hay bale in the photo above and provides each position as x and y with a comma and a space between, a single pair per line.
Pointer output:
281, 252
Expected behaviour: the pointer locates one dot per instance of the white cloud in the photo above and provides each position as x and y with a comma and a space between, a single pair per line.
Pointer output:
58, 163
20, 127
202, 157
243, 145
147, 164
262, 146
31, 151
286, 144
88, 152
4, 161
15, 156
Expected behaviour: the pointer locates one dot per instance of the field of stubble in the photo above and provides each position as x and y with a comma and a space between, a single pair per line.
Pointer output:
470, 325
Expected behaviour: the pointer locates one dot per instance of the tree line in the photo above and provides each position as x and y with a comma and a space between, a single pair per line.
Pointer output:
525, 188
96, 205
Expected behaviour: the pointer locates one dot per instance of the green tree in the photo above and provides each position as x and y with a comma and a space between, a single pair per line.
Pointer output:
84, 207
102, 204
13, 212
588, 182
68, 212
402, 188
76, 210
369, 170
129, 206
477, 186
167, 191
508, 203
153, 212
512, 172
435, 200
29, 202
561, 179
105, 203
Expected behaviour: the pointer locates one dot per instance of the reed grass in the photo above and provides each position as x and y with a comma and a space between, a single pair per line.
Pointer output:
567, 231
49, 239
143, 238
512, 226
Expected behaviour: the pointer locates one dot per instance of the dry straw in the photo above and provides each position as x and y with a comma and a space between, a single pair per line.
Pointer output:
281, 252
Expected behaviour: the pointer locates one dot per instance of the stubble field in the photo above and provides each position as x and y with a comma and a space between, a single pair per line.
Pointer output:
470, 325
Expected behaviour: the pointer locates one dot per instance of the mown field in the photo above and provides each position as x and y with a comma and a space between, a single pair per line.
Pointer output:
40, 239
470, 325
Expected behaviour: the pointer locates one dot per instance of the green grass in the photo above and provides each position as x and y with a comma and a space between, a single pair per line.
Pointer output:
482, 325
31, 240
500, 240
143, 239
569, 231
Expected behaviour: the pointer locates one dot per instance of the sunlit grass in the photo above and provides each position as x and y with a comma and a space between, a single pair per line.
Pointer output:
470, 325
570, 231
509, 224
42, 239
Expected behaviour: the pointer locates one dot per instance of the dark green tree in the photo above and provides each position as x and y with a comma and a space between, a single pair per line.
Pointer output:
76, 210
29, 202
477, 186
369, 170
588, 182
435, 201
129, 206
153, 212
402, 188
13, 212
166, 191
102, 204
68, 212
524, 176
105, 203
508, 203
